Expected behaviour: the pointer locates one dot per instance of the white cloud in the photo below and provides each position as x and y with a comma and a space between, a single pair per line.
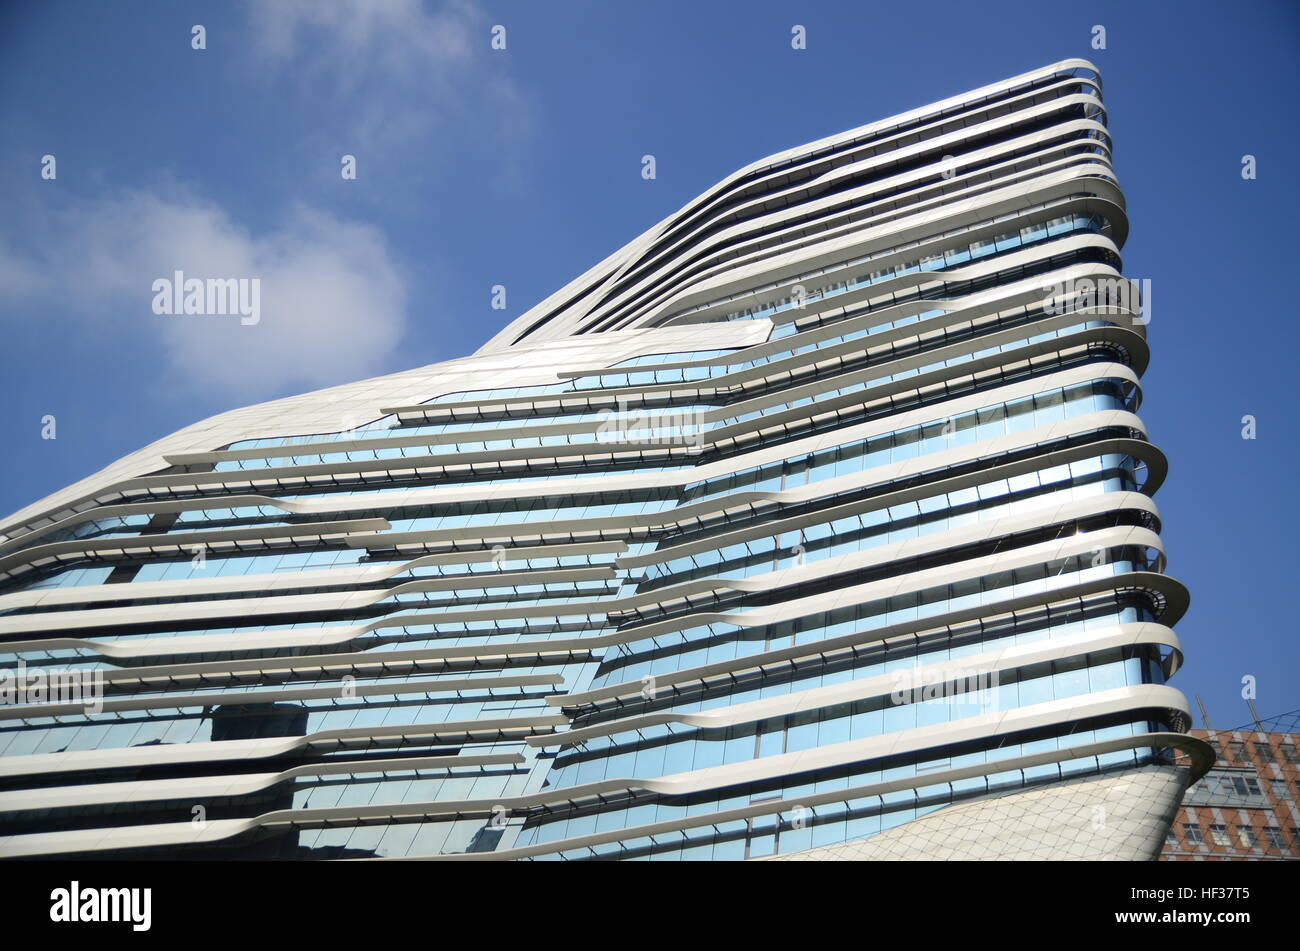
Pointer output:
359, 74
333, 302
393, 68
19, 276
403, 36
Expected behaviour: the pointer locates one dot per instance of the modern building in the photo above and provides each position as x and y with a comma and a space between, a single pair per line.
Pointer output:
1245, 807
814, 523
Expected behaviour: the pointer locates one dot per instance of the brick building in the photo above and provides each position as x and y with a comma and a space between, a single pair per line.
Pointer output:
1248, 806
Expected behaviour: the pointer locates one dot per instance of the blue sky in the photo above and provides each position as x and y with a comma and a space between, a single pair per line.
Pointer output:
522, 167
